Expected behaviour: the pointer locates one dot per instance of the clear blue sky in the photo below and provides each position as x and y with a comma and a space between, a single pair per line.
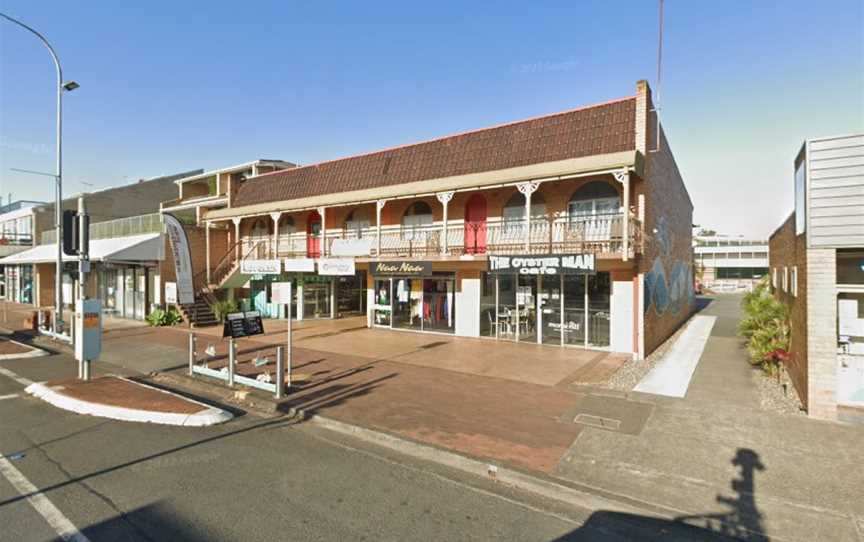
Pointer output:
172, 86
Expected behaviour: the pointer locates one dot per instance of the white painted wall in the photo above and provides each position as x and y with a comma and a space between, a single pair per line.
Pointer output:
468, 308
621, 332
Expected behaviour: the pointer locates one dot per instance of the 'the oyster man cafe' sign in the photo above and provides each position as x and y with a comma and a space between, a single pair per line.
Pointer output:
545, 264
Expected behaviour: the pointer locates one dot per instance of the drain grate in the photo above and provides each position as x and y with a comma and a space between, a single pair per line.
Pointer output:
598, 421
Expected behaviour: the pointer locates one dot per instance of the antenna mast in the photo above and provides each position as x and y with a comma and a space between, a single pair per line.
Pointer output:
659, 76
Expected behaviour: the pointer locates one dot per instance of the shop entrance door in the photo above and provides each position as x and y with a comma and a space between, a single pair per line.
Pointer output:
550, 307
475, 225
313, 235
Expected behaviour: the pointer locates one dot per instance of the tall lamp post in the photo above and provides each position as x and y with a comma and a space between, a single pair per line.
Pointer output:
58, 204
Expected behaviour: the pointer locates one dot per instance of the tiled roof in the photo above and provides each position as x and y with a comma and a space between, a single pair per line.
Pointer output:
599, 129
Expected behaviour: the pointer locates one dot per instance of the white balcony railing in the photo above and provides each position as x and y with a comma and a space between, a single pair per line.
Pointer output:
597, 234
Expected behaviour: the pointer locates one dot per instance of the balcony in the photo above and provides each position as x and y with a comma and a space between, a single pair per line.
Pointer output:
601, 235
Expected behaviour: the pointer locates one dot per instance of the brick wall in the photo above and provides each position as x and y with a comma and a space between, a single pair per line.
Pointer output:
667, 262
788, 251
822, 333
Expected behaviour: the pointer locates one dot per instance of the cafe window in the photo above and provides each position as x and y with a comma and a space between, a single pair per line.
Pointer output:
418, 214
287, 226
514, 209
358, 220
594, 198
850, 266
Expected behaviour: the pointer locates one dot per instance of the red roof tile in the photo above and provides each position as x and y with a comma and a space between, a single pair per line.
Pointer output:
598, 129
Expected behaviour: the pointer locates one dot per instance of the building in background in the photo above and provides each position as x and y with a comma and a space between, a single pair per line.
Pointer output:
16, 235
127, 248
817, 269
727, 263
570, 229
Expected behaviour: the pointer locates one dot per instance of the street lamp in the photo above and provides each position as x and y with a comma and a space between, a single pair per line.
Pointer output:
62, 86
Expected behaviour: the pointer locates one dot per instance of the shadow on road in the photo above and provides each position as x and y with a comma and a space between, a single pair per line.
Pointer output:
742, 520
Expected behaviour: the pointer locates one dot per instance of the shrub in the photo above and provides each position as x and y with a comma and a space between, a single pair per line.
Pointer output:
765, 327
221, 308
159, 317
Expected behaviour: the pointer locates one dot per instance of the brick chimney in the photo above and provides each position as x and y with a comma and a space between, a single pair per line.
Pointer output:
646, 121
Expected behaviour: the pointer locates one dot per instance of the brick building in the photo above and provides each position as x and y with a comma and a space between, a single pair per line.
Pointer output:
570, 229
127, 248
816, 260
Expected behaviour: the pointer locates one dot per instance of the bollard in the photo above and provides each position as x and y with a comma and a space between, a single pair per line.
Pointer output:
280, 372
192, 353
232, 353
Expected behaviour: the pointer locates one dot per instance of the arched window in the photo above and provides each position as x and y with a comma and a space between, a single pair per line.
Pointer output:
286, 225
418, 214
594, 198
514, 209
357, 221
259, 229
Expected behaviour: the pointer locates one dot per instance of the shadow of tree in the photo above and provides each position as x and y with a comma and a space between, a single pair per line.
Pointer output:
742, 520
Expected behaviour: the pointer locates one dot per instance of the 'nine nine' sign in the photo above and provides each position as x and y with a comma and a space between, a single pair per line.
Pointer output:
402, 269
546, 264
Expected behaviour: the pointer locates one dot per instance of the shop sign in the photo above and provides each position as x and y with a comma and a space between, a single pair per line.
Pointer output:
547, 264
280, 293
336, 266
242, 324
351, 247
402, 269
299, 265
260, 267
170, 292
182, 258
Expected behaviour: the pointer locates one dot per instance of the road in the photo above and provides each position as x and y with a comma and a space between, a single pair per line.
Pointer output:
251, 479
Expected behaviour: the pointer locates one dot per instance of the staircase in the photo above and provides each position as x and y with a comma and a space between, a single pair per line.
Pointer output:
199, 313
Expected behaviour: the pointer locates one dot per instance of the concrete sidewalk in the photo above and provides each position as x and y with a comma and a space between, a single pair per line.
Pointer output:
720, 460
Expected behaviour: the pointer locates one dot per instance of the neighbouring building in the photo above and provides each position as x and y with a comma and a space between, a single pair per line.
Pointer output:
728, 263
16, 235
817, 270
127, 249
570, 229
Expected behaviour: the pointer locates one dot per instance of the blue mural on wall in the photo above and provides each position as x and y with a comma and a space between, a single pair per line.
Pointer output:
667, 293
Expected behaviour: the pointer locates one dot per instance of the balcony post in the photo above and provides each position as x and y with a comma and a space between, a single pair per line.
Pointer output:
236, 220
623, 177
444, 198
207, 248
322, 212
527, 188
379, 205
275, 216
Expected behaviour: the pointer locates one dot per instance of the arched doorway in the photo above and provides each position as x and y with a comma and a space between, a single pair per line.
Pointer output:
475, 225
260, 238
313, 235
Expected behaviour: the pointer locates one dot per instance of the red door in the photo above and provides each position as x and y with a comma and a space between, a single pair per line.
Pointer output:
313, 235
475, 225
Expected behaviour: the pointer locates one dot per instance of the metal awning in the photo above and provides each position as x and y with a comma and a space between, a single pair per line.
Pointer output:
144, 248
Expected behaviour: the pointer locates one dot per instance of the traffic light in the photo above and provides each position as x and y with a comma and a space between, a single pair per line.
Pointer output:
70, 233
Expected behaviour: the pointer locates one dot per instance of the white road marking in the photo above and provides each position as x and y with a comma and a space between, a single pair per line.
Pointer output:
19, 379
40, 503
671, 376
10, 396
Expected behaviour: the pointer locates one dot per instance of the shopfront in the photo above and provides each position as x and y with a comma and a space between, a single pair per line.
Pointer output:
410, 296
18, 283
326, 288
552, 299
126, 291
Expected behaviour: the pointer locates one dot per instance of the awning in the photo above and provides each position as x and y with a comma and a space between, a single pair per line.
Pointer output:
144, 248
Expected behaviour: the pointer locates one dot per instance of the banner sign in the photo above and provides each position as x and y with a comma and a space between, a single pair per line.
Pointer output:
260, 267
402, 269
336, 266
182, 258
351, 247
242, 324
547, 264
299, 265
